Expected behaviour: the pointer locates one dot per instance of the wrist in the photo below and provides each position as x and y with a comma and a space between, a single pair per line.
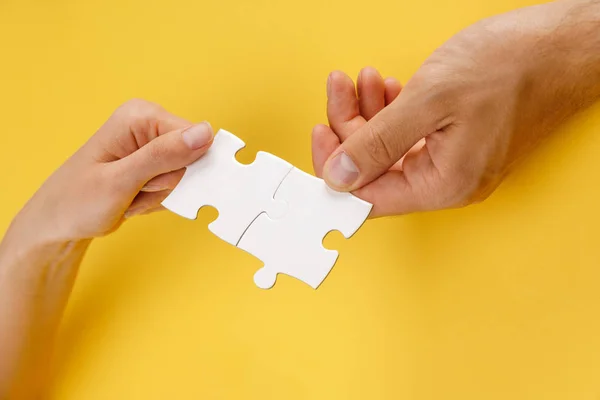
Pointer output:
29, 235
50, 216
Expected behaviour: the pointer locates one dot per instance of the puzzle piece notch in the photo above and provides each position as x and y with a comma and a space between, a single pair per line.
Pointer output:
239, 192
293, 244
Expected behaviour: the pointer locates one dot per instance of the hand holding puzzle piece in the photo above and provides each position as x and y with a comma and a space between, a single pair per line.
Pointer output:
270, 209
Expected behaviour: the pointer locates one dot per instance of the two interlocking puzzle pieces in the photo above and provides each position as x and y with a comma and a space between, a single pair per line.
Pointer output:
270, 209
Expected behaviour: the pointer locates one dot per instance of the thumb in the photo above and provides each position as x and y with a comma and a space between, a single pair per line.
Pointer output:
371, 150
168, 152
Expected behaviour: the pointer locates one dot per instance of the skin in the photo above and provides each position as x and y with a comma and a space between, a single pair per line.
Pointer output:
476, 106
127, 168
479, 104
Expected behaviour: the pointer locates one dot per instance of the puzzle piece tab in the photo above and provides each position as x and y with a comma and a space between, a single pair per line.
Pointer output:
292, 244
239, 192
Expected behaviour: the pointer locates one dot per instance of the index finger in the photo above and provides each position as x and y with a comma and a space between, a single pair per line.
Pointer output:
133, 125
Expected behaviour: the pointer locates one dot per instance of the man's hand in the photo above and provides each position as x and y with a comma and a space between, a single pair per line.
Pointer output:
476, 106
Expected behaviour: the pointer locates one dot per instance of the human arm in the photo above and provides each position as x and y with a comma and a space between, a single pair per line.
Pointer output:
479, 104
127, 168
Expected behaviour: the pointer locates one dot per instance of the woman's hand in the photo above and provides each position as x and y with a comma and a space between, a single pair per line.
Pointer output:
474, 108
127, 168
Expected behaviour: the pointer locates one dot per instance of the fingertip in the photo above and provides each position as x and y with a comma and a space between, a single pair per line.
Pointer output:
340, 83
340, 172
319, 129
369, 74
369, 71
324, 143
337, 74
391, 81
393, 87
371, 92
169, 152
198, 136
342, 105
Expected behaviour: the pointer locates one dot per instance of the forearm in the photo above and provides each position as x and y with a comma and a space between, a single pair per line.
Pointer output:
86, 197
36, 278
577, 43
566, 61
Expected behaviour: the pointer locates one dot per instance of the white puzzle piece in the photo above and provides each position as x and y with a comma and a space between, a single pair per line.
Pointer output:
292, 244
239, 192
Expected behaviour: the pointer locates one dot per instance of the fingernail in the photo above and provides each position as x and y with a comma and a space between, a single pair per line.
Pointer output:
342, 172
329, 85
132, 212
152, 188
198, 135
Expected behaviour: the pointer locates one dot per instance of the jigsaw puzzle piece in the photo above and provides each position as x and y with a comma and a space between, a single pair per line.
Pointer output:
239, 192
292, 245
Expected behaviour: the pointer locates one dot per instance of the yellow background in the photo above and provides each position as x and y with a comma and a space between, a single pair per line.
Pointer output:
495, 301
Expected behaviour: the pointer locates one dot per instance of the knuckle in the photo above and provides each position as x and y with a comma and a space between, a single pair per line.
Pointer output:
485, 190
431, 78
139, 110
436, 88
141, 116
378, 145
458, 191
136, 102
480, 196
469, 188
